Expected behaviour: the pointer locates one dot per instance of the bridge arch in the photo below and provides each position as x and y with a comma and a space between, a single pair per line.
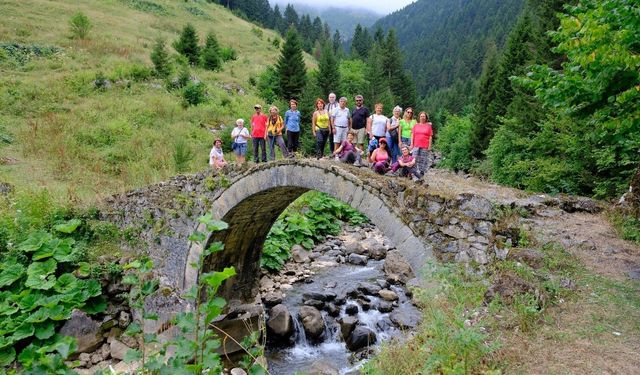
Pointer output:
253, 202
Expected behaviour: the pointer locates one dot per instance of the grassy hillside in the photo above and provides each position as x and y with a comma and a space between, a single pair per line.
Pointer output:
57, 131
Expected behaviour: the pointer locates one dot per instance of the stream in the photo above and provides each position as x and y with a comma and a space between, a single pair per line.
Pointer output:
342, 306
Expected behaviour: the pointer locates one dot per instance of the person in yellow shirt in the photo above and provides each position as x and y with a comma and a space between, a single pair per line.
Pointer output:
275, 125
321, 127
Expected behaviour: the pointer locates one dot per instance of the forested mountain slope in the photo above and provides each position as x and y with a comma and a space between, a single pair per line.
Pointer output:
445, 41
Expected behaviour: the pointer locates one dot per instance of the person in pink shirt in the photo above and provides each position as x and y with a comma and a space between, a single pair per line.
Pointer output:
421, 136
259, 133
406, 164
380, 157
348, 152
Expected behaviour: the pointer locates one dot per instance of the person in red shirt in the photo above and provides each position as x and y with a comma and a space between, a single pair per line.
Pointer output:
259, 133
421, 136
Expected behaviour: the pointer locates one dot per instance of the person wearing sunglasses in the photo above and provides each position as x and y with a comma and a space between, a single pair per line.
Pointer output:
406, 125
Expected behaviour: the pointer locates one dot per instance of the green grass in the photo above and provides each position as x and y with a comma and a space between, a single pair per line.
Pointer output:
81, 143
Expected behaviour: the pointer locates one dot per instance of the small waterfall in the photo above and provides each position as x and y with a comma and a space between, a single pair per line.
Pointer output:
300, 336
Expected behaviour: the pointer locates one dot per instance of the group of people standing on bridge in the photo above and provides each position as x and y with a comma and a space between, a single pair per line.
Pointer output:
396, 145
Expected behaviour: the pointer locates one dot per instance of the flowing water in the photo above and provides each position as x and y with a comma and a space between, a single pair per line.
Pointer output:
341, 279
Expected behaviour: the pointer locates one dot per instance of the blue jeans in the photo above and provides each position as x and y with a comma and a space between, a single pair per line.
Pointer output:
322, 136
394, 148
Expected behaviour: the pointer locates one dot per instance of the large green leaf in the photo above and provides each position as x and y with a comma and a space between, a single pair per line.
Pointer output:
37, 274
10, 273
35, 241
65, 251
66, 283
24, 330
7, 355
69, 226
45, 330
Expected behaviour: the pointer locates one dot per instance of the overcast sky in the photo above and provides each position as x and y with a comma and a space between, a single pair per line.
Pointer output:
379, 6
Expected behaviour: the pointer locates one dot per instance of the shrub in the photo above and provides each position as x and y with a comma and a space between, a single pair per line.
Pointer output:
454, 141
228, 53
182, 155
146, 6
79, 25
194, 94
160, 59
211, 53
187, 44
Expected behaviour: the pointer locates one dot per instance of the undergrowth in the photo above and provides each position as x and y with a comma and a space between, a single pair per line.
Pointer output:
306, 222
627, 226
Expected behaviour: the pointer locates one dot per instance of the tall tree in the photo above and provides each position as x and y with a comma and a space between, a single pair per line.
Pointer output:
279, 23
187, 44
337, 44
484, 116
318, 30
328, 77
306, 33
361, 43
291, 17
292, 72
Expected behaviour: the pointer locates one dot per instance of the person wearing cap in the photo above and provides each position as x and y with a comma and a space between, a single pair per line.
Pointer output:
240, 135
359, 117
331, 105
216, 156
380, 157
259, 134
340, 122
292, 124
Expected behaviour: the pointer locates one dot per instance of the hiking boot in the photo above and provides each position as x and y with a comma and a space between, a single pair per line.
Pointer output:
357, 164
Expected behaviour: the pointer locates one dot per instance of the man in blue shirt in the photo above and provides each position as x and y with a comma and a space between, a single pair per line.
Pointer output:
292, 123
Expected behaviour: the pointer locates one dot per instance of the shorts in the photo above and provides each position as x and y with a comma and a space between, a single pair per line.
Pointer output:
341, 134
360, 135
241, 149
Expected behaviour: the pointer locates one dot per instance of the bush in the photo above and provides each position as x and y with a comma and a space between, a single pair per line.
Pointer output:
454, 141
79, 25
182, 155
160, 59
194, 94
228, 53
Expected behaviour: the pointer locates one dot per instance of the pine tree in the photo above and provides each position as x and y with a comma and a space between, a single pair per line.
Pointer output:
318, 30
306, 33
326, 32
484, 117
291, 17
337, 44
278, 21
379, 91
160, 59
361, 43
378, 36
211, 53
292, 72
187, 44
328, 77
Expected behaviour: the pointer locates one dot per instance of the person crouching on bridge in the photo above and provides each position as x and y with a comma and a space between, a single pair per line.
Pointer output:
406, 165
275, 124
216, 156
380, 157
348, 152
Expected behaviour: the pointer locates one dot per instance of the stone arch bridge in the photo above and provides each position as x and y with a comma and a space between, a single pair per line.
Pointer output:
423, 222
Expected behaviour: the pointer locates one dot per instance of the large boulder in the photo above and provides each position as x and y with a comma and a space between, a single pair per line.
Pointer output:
85, 330
396, 267
280, 323
312, 321
405, 318
358, 260
347, 324
299, 254
474, 206
353, 247
360, 337
118, 350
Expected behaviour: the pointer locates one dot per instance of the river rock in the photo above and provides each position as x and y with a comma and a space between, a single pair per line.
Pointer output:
299, 254
388, 295
358, 260
85, 330
315, 303
280, 322
378, 253
351, 309
384, 306
272, 298
322, 368
332, 310
347, 324
237, 371
353, 247
328, 296
405, 319
118, 349
266, 283
396, 268
360, 337
312, 321
369, 288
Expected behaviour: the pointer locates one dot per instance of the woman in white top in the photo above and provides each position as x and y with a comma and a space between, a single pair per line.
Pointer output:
377, 124
216, 156
239, 136
393, 133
